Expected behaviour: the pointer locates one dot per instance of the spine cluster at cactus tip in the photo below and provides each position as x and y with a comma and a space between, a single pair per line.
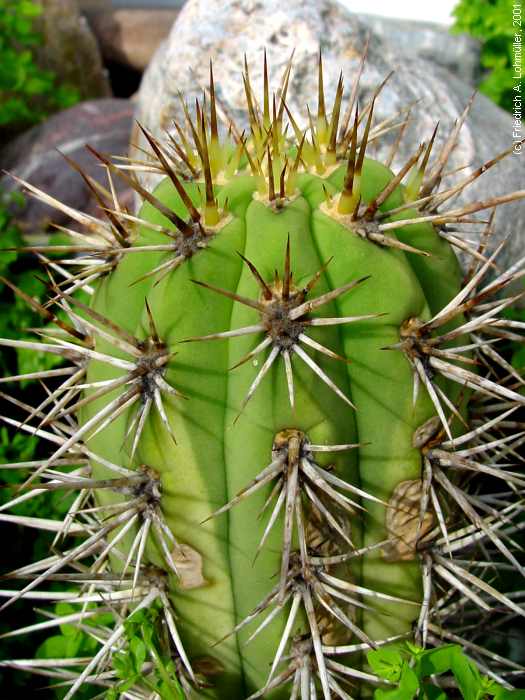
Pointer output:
284, 410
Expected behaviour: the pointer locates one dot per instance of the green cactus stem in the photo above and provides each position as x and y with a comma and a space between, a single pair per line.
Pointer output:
282, 405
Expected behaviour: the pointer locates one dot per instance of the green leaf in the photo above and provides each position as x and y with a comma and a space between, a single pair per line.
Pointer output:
504, 694
37, 85
68, 630
22, 25
432, 692
122, 665
439, 660
29, 9
9, 239
138, 651
171, 691
74, 643
53, 648
450, 657
408, 686
386, 663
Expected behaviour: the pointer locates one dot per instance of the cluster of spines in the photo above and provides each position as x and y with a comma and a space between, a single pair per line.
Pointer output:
487, 521
132, 585
316, 514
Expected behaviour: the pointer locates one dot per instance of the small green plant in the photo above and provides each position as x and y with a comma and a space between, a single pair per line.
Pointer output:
491, 22
142, 636
27, 93
410, 668
138, 665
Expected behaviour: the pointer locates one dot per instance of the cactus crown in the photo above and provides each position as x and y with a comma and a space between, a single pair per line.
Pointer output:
283, 330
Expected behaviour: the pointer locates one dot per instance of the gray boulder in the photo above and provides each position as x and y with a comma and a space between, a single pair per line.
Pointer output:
70, 50
458, 53
35, 156
237, 27
130, 36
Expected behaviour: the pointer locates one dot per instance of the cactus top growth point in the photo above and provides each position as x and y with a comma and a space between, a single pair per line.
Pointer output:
284, 409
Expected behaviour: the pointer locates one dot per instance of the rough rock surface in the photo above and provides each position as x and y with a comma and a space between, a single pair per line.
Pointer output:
70, 50
236, 27
35, 156
131, 36
458, 53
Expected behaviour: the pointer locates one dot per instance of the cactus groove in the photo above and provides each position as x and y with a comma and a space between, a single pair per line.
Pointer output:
283, 402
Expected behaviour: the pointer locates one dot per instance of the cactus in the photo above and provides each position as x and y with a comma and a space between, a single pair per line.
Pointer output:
283, 408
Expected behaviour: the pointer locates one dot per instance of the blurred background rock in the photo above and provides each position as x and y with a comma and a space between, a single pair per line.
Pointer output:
69, 49
129, 32
105, 49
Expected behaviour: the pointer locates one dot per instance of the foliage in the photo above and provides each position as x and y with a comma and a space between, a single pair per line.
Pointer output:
143, 644
410, 668
142, 634
27, 93
73, 642
491, 22
15, 317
